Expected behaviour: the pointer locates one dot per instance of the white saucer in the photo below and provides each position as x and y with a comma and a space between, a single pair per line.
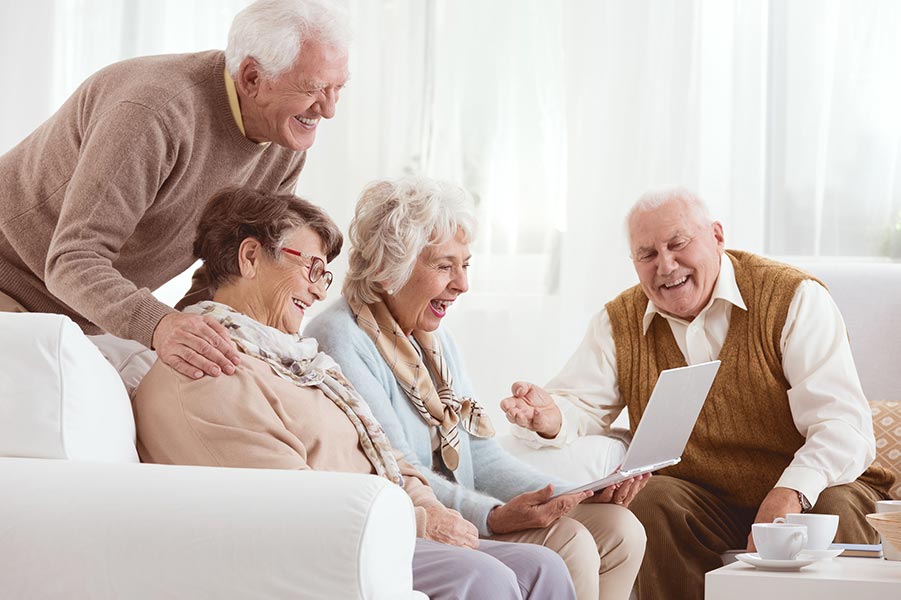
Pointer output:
769, 564
827, 554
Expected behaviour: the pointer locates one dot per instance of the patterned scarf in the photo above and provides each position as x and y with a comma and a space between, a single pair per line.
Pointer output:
298, 360
439, 408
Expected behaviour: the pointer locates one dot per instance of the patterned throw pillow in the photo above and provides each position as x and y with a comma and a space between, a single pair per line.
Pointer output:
887, 427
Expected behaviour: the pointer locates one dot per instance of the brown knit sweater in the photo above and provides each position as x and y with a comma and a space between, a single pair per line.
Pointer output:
745, 436
99, 205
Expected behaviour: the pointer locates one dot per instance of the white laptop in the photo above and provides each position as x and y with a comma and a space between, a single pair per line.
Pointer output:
666, 424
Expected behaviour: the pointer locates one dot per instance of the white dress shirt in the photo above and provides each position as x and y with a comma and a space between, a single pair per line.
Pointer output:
825, 397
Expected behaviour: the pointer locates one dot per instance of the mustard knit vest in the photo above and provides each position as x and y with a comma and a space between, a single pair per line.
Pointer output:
745, 436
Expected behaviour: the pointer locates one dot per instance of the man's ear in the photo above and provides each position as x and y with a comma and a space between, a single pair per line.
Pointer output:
250, 78
718, 234
250, 253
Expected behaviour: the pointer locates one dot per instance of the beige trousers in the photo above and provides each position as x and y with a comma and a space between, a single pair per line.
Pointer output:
7, 304
601, 544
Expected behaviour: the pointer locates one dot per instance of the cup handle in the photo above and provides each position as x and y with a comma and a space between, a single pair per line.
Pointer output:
779, 520
802, 537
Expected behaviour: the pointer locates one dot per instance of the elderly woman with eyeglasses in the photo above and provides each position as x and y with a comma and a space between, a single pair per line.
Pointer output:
288, 406
408, 266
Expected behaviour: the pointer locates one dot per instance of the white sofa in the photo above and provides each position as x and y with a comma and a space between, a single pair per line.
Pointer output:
81, 518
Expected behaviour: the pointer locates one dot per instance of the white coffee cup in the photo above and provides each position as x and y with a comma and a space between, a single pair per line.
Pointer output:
820, 528
890, 551
779, 541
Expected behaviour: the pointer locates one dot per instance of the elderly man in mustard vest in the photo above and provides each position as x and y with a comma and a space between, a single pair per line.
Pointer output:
786, 427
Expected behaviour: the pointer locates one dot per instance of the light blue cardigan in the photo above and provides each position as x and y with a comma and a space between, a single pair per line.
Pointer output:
495, 477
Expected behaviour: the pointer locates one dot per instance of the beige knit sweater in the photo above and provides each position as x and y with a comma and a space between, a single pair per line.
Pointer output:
253, 419
99, 205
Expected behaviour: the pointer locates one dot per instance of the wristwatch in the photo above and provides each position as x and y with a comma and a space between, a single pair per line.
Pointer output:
806, 506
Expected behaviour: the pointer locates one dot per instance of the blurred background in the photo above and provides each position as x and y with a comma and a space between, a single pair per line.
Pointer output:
557, 114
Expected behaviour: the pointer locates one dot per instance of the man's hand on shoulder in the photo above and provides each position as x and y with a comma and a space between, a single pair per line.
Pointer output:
195, 345
778, 503
532, 408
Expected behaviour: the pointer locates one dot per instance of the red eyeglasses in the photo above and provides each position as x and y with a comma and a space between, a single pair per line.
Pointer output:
316, 266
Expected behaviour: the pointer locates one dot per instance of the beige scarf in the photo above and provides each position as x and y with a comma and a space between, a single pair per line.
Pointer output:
440, 407
298, 360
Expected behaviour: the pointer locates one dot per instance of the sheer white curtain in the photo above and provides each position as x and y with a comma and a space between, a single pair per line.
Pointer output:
635, 95
51, 46
835, 126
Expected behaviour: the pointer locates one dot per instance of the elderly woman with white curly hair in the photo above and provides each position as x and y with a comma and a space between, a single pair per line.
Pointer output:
408, 265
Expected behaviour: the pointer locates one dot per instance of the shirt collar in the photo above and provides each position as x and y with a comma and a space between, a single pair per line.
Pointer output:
726, 289
235, 105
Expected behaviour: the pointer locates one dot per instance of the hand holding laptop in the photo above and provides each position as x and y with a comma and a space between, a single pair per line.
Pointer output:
620, 493
533, 510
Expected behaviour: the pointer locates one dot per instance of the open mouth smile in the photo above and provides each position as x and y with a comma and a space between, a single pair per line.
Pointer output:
439, 307
306, 123
675, 284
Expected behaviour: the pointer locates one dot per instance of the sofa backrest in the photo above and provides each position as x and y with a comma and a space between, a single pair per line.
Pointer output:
869, 296
59, 397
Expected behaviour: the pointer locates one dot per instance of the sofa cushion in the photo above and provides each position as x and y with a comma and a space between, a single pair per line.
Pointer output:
586, 459
59, 397
130, 358
887, 428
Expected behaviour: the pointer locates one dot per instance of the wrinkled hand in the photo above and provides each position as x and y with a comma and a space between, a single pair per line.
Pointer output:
533, 408
194, 345
778, 503
532, 510
449, 527
621, 493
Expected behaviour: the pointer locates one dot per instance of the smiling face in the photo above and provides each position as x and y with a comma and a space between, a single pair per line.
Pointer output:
287, 110
438, 279
281, 287
676, 252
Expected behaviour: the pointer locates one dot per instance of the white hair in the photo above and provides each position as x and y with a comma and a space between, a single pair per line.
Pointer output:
273, 31
393, 223
654, 199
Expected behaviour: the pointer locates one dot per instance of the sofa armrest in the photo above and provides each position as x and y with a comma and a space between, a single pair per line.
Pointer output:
117, 530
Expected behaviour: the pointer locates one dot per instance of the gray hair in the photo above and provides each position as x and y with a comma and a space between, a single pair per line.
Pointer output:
393, 223
272, 32
654, 199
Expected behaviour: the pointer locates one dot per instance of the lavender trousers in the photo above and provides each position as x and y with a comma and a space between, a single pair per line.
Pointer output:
497, 570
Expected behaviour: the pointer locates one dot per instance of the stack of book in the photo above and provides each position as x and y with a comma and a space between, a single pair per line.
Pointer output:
861, 550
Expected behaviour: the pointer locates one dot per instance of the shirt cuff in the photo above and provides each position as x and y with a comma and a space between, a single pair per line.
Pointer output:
533, 440
802, 479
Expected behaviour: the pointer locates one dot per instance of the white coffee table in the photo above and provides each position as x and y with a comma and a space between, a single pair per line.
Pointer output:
836, 579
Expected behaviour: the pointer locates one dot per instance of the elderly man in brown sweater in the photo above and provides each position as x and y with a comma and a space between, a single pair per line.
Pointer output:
786, 427
99, 205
